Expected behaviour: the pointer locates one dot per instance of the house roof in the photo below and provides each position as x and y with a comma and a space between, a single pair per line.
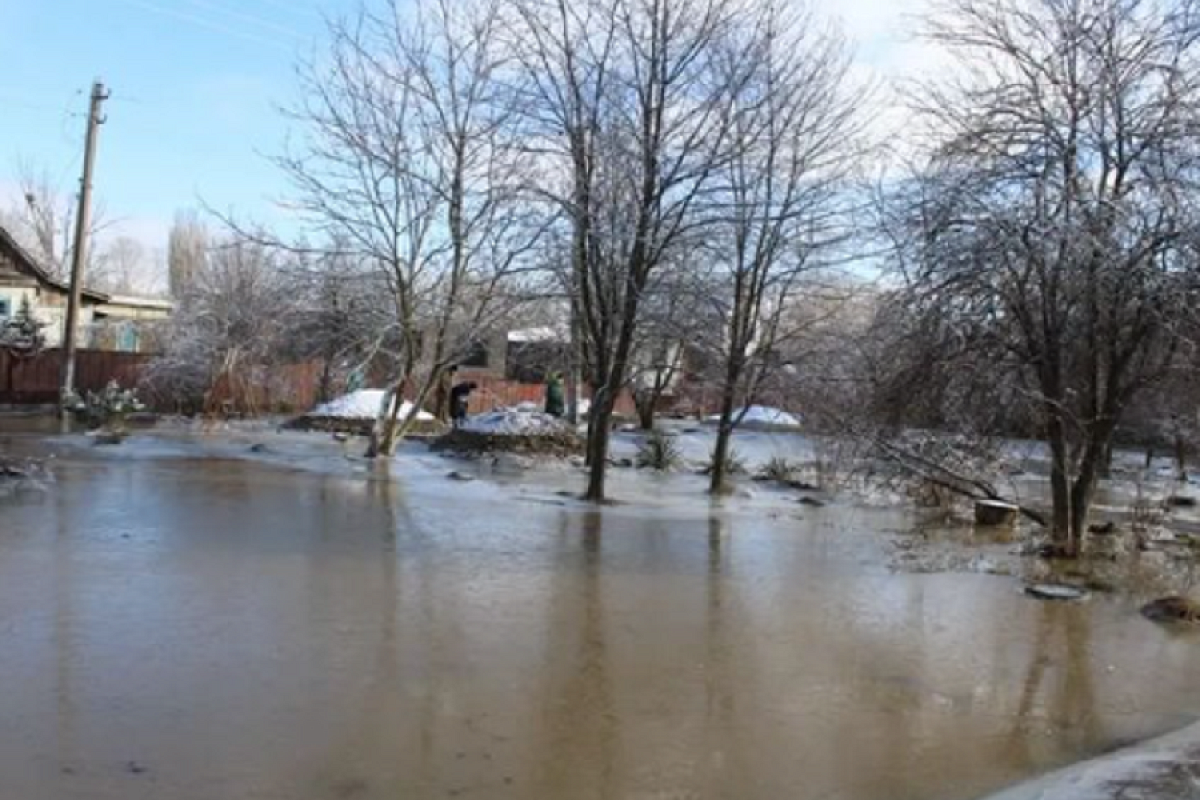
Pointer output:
29, 264
140, 301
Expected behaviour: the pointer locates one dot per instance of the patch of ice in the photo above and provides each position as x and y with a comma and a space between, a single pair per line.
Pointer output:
762, 415
363, 404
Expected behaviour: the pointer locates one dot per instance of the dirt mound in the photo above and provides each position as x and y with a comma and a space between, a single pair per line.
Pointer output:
357, 427
559, 443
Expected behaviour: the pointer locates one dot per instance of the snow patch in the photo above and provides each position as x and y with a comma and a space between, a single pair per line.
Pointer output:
533, 335
363, 404
511, 422
763, 415
1154, 768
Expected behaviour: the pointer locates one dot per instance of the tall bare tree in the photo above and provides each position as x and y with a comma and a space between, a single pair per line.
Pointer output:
1051, 223
627, 103
782, 207
187, 251
122, 267
400, 158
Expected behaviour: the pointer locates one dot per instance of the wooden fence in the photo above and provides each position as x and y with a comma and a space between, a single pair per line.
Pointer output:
290, 388
31, 380
494, 392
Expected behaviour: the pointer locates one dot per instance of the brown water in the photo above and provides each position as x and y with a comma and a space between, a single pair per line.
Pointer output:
180, 629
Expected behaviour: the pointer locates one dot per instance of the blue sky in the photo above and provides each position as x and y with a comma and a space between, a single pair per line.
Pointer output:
195, 87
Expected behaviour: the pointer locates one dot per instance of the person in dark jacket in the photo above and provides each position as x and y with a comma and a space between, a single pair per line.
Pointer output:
459, 398
556, 403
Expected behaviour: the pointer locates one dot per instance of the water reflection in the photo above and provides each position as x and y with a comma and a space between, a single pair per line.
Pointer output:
248, 632
577, 724
1059, 688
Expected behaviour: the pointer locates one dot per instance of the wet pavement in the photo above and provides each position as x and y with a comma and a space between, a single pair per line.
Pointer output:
181, 628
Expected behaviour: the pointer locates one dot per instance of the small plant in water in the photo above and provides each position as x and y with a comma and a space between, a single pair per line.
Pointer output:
778, 469
659, 451
105, 410
734, 463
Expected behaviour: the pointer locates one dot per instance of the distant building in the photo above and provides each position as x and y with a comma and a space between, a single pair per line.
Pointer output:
106, 322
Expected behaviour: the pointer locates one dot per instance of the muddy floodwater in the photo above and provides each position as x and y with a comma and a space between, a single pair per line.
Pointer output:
180, 628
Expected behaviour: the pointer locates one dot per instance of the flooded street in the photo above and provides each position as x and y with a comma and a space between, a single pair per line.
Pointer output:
185, 629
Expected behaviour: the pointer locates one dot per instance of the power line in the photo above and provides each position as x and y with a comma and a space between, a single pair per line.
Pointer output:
305, 12
202, 22
241, 16
12, 100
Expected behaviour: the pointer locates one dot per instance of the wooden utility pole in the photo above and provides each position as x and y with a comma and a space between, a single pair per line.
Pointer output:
79, 254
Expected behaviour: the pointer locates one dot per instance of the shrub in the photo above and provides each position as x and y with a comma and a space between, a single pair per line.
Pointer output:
659, 451
778, 469
104, 409
734, 463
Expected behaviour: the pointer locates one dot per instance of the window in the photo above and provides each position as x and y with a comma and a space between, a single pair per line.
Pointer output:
5, 307
127, 338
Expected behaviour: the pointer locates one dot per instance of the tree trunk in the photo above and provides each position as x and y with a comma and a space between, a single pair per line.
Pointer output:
1107, 461
720, 457
441, 398
1060, 484
384, 444
1082, 494
599, 429
1180, 457
645, 402
325, 385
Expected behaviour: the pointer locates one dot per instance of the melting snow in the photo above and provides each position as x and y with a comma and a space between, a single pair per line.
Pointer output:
363, 404
763, 415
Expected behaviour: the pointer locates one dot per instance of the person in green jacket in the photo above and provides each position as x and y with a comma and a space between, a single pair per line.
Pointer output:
556, 403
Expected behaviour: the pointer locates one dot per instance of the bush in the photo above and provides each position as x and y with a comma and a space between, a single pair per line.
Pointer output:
659, 451
734, 463
107, 408
778, 469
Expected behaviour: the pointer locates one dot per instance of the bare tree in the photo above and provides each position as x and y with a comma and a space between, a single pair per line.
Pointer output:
122, 267
670, 324
187, 250
1050, 222
340, 310
401, 158
782, 206
42, 219
627, 104
224, 340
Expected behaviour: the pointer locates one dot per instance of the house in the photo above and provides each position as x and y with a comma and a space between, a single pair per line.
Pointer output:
126, 323
108, 322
